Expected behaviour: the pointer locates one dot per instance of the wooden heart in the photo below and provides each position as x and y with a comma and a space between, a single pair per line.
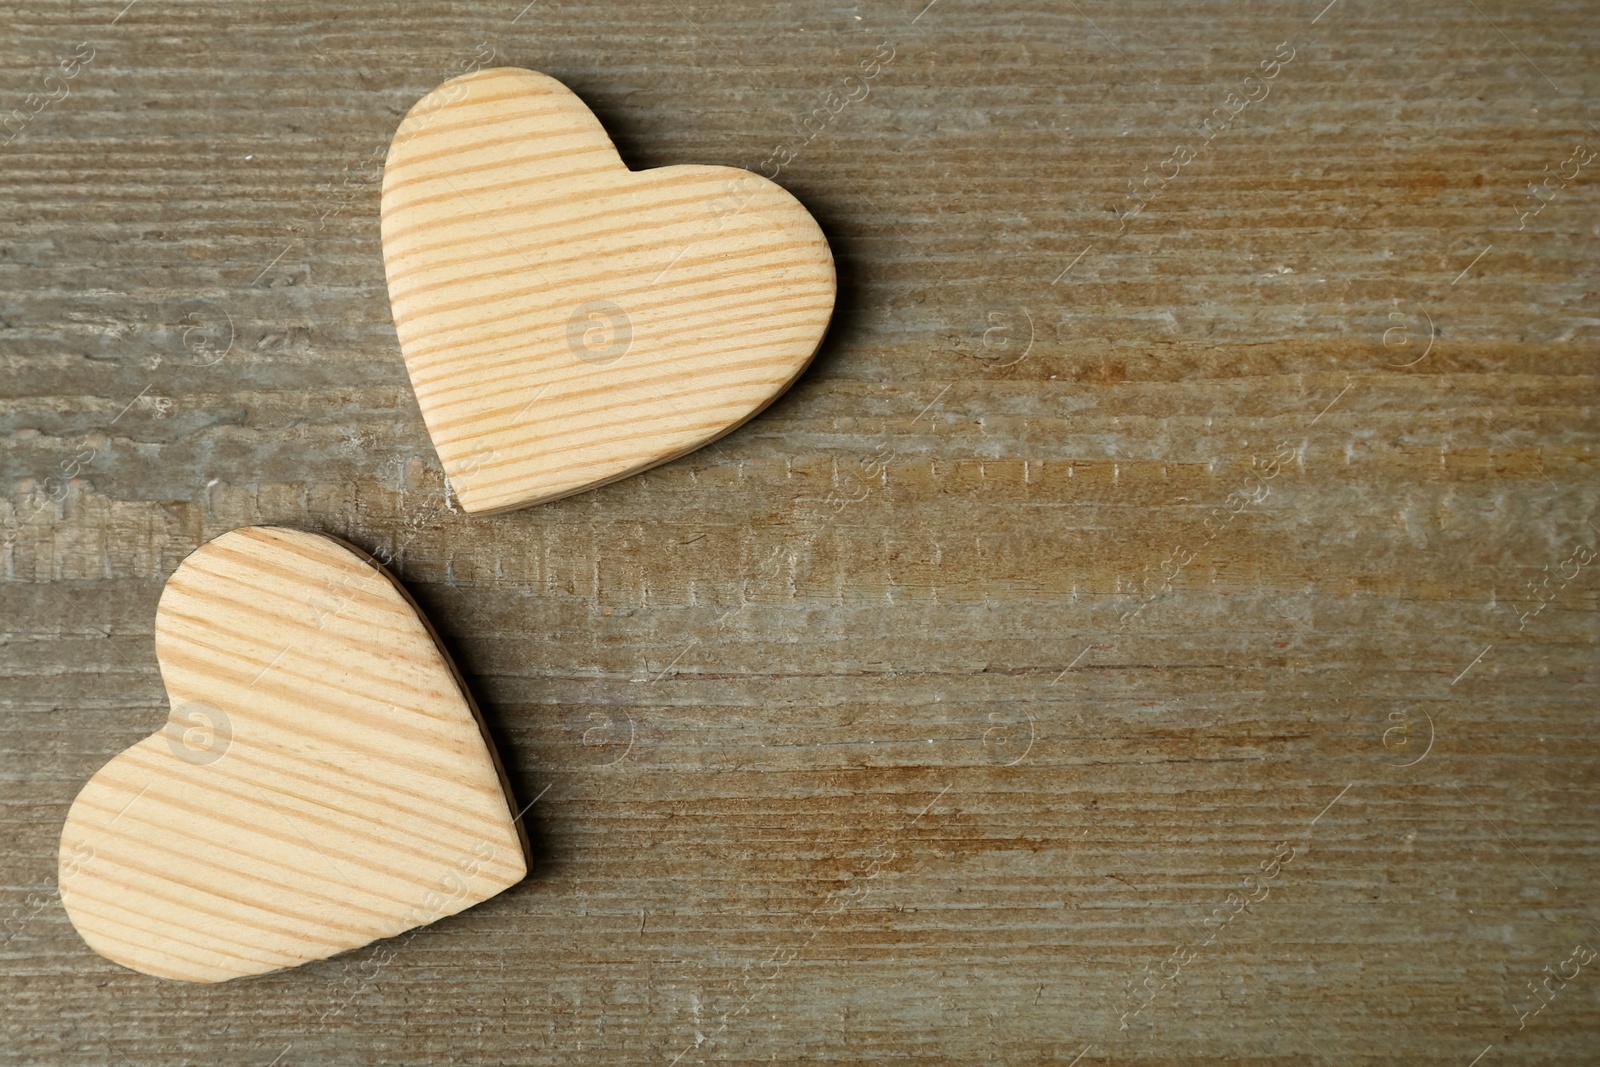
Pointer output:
324, 779
566, 321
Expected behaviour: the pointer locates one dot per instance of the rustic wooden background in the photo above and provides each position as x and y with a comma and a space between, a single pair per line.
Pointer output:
1149, 520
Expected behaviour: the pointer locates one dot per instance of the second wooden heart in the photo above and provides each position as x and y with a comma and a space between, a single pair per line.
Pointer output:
567, 321
323, 779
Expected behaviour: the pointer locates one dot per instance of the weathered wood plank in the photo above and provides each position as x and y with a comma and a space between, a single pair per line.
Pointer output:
781, 690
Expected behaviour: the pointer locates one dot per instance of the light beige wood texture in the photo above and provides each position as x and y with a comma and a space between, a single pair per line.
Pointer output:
324, 779
567, 322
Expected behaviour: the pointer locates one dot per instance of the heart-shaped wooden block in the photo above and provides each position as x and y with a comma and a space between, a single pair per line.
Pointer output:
567, 321
323, 781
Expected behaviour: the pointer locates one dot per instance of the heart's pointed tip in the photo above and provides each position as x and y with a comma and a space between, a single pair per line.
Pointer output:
519, 870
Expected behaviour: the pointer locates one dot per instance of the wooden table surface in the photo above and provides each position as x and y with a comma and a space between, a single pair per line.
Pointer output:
1160, 628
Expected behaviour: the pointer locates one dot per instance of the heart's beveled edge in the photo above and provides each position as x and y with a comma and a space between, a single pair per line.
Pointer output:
464, 475
74, 852
461, 684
